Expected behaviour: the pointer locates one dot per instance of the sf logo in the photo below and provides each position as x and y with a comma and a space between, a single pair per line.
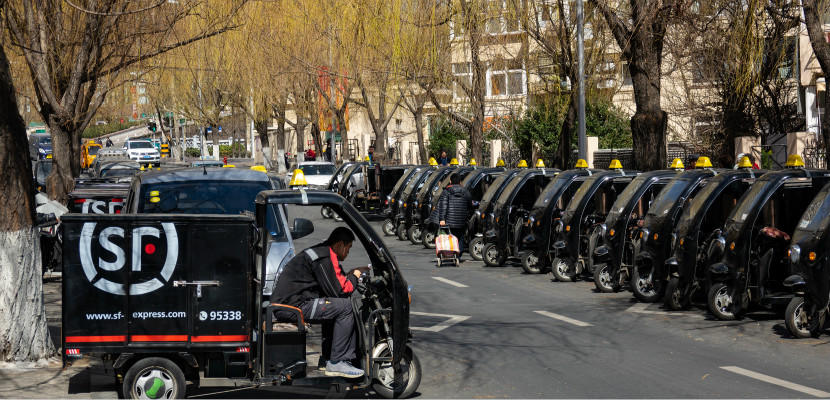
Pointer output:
147, 245
102, 207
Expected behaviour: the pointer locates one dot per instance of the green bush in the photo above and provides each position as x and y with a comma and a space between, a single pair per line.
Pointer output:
193, 152
94, 131
604, 120
540, 126
228, 151
443, 132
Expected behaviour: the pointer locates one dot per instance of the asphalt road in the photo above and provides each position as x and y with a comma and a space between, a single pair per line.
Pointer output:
497, 332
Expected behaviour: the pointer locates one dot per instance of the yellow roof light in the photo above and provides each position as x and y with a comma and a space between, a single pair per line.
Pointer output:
367, 159
581, 163
522, 164
473, 162
432, 161
676, 164
229, 166
298, 178
154, 193
500, 163
703, 162
259, 168
154, 199
744, 162
794, 160
540, 163
453, 162
615, 164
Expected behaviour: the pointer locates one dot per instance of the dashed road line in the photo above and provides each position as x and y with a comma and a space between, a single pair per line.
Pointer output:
451, 320
449, 282
640, 308
777, 382
563, 318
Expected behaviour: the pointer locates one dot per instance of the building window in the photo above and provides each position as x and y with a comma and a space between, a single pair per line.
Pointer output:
501, 16
506, 79
464, 76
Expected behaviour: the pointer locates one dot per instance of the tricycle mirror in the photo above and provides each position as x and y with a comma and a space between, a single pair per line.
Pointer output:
302, 227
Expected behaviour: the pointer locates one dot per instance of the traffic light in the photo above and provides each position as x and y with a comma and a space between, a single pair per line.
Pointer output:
151, 126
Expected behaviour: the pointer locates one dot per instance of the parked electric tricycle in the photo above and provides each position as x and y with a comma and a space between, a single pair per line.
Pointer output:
392, 200
334, 184
808, 259
476, 181
756, 236
590, 206
378, 182
613, 262
477, 223
701, 224
422, 205
503, 235
408, 196
535, 247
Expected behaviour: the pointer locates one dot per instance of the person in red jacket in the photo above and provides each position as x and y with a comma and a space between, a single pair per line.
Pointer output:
314, 282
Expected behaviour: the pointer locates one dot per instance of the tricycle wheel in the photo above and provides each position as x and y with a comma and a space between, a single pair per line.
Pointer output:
325, 212
531, 262
604, 279
401, 231
388, 227
154, 378
336, 217
645, 287
492, 256
720, 301
563, 270
678, 295
799, 322
428, 238
476, 248
414, 234
384, 375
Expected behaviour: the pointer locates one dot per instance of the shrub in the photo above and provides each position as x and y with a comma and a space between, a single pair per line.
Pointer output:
443, 132
193, 152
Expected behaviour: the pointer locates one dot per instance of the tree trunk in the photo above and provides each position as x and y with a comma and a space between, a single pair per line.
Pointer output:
563, 159
261, 126
62, 180
419, 132
648, 131
344, 133
24, 335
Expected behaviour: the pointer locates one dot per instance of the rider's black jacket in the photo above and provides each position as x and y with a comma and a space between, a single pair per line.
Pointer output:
312, 274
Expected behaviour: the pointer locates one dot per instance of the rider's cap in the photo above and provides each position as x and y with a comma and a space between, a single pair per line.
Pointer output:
703, 162
615, 164
676, 164
432, 161
259, 168
540, 163
473, 161
581, 164
522, 164
500, 163
744, 162
794, 160
298, 178
229, 166
453, 162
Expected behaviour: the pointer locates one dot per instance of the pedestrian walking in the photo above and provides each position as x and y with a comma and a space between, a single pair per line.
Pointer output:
444, 159
452, 208
109, 142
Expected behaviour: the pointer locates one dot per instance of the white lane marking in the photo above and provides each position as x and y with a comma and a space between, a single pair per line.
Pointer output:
449, 282
563, 318
640, 308
452, 320
778, 382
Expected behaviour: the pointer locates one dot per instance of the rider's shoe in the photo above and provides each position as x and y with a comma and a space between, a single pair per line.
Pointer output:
342, 368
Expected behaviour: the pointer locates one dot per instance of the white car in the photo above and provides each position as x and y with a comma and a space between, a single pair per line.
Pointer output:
317, 173
142, 151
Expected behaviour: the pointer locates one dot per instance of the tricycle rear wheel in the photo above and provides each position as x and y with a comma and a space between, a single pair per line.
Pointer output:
154, 378
401, 231
645, 287
388, 227
720, 301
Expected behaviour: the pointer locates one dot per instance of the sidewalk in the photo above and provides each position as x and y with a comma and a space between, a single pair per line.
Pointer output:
86, 379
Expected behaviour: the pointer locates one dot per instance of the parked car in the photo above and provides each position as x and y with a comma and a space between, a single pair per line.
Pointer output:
89, 150
318, 174
40, 146
143, 151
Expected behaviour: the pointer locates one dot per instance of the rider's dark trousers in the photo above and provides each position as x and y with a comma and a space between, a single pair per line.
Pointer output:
337, 318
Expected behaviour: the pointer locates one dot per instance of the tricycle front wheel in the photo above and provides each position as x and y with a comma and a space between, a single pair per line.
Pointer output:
799, 321
384, 375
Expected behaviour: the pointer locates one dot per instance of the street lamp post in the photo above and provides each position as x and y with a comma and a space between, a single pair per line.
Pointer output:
580, 107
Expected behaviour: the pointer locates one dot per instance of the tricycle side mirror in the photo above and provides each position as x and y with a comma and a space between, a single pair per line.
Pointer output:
302, 227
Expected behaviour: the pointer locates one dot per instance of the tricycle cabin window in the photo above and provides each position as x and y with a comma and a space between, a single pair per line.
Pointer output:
208, 197
817, 216
358, 255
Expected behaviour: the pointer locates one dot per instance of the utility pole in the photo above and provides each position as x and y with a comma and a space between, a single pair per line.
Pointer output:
331, 99
580, 107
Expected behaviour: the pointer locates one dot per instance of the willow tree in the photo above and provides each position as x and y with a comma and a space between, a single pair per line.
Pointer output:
816, 11
75, 52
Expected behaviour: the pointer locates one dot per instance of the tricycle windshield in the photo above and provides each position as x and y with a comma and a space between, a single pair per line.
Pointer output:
816, 217
667, 198
553, 190
751, 197
582, 195
628, 195
505, 194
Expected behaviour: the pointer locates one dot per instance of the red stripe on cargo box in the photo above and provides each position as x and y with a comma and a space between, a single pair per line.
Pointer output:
89, 339
158, 338
220, 338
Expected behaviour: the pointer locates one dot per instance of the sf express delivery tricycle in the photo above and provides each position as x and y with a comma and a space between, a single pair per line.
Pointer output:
174, 298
